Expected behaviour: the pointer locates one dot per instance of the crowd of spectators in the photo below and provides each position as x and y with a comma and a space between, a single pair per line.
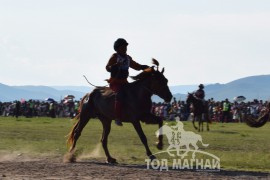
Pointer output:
38, 108
219, 111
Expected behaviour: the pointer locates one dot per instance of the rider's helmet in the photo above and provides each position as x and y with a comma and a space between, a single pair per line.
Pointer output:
201, 86
119, 42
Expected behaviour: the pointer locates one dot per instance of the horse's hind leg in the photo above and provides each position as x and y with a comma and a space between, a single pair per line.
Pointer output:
77, 133
106, 123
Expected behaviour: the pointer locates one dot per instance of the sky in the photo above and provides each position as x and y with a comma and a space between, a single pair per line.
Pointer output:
56, 42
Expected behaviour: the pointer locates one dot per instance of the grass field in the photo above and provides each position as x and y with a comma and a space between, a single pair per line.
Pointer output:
238, 146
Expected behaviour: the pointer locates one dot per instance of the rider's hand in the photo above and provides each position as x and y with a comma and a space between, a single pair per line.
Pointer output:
114, 67
143, 67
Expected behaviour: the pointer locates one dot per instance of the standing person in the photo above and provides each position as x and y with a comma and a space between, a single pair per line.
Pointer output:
31, 108
118, 66
226, 111
52, 110
17, 108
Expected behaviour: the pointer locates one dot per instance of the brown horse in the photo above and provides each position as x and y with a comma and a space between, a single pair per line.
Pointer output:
136, 107
200, 110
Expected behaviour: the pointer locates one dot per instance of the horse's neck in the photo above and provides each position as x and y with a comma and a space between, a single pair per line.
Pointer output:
140, 89
195, 99
197, 103
198, 106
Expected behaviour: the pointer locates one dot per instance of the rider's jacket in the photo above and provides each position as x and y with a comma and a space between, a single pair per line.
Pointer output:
200, 94
118, 66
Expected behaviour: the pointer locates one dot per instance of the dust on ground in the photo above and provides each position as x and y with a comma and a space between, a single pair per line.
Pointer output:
19, 167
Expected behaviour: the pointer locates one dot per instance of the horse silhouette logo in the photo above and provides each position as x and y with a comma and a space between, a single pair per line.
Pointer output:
178, 137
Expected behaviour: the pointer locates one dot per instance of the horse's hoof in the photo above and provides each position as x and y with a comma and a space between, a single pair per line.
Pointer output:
69, 157
159, 146
111, 161
152, 157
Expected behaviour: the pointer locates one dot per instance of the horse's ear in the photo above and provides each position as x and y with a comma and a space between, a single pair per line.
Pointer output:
162, 71
153, 69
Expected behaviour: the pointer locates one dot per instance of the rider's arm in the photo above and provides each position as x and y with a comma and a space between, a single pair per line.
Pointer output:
112, 63
137, 66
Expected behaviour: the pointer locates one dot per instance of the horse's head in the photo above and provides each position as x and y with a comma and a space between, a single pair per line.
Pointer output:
159, 85
155, 82
190, 98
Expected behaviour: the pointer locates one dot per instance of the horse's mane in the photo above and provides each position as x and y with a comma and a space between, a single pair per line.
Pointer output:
146, 72
143, 75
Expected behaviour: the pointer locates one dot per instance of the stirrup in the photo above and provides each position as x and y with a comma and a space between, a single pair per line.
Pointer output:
118, 122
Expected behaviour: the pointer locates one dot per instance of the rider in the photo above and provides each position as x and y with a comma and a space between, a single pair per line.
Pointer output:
118, 66
200, 94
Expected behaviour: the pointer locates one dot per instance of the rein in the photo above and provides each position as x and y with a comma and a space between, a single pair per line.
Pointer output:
148, 89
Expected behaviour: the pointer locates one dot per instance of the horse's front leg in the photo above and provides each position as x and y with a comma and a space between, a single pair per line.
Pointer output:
153, 119
193, 122
143, 138
201, 124
207, 121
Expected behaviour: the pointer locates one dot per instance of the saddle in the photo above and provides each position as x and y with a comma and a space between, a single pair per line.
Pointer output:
199, 99
105, 91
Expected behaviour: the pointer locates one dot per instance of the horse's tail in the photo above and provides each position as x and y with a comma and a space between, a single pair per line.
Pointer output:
70, 140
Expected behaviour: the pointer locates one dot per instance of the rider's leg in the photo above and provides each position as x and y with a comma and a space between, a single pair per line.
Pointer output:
118, 109
117, 105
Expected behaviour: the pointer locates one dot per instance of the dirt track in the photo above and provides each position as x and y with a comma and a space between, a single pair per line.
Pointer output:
55, 169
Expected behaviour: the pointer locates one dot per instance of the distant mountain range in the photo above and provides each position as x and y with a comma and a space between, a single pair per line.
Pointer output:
253, 87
